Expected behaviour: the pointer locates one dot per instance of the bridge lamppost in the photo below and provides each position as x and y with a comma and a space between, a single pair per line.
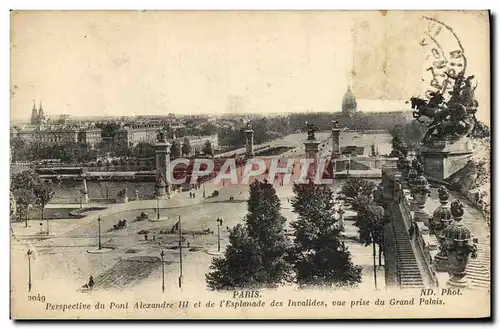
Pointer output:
219, 224
162, 254
29, 253
99, 232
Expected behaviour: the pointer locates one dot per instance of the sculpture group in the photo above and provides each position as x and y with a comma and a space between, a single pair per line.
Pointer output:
450, 119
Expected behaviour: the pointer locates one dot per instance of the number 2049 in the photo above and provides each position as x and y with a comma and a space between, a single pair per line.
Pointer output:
37, 298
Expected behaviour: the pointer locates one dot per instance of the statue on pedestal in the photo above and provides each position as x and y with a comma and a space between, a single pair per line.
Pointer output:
311, 130
451, 119
160, 135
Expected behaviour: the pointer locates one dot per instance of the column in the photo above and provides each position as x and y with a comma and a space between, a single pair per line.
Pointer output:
249, 142
85, 191
162, 152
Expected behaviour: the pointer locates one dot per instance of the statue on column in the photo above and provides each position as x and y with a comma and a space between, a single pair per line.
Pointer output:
160, 135
311, 130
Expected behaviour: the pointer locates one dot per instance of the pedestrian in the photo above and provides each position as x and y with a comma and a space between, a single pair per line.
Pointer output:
154, 237
91, 282
146, 237
194, 195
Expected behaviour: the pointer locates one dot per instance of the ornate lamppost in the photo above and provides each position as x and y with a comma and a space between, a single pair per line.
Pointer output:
441, 219
99, 232
460, 247
29, 253
162, 254
219, 224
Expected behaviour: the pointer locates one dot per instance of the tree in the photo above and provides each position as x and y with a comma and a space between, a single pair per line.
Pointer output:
370, 223
24, 199
267, 225
28, 189
256, 255
355, 190
175, 150
319, 258
43, 194
236, 270
207, 148
186, 147
143, 150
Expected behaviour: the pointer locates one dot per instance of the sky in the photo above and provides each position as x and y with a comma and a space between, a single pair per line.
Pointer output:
124, 63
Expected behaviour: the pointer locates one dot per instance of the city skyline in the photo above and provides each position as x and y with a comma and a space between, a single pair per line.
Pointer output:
99, 64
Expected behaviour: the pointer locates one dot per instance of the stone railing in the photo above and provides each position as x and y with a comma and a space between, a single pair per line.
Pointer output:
402, 209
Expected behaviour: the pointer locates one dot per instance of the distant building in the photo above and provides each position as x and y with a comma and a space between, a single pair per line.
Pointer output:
197, 143
37, 116
134, 134
41, 129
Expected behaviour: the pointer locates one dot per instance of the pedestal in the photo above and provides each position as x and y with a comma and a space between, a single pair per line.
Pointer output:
336, 143
161, 193
444, 158
249, 143
311, 147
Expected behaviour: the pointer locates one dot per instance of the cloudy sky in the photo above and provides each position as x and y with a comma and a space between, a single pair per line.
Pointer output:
132, 63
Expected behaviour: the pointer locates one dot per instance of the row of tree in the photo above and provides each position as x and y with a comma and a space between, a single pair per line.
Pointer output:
260, 253
72, 152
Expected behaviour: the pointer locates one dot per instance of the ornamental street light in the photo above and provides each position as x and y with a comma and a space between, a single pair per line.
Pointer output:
29, 253
219, 224
157, 208
180, 253
162, 254
99, 232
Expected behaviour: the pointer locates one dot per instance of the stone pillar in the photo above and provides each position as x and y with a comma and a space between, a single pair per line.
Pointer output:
85, 191
162, 151
441, 219
335, 143
311, 147
335, 149
249, 142
460, 247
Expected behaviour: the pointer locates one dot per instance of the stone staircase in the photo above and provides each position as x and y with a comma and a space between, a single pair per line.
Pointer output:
409, 272
478, 270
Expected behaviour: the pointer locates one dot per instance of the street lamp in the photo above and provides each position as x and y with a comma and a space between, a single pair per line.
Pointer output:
99, 231
180, 253
157, 208
219, 224
162, 272
29, 253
